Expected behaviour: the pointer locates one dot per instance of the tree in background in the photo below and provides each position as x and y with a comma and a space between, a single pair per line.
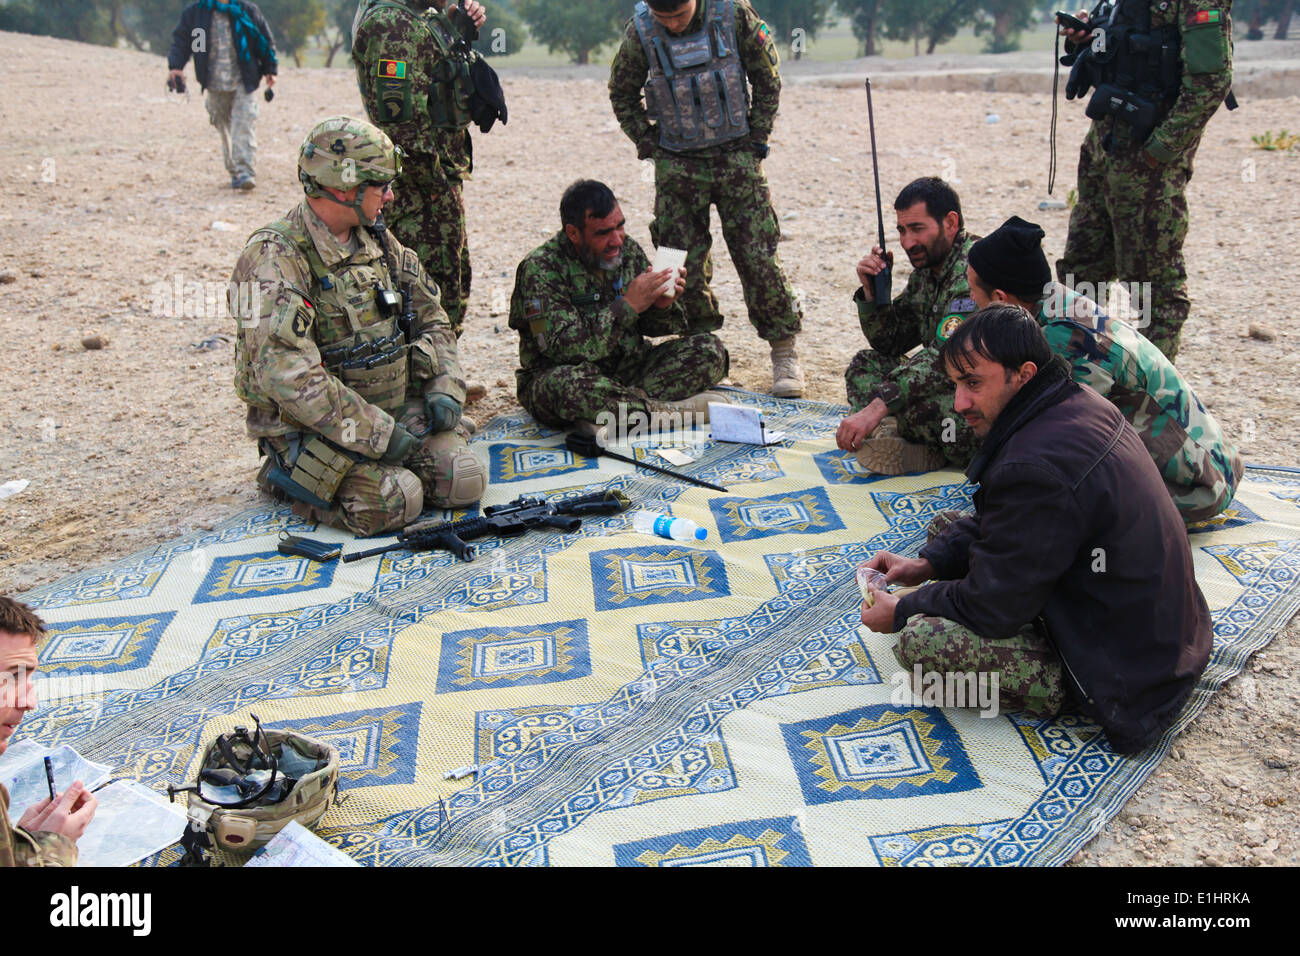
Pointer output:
85, 20
575, 27
794, 22
336, 34
935, 21
864, 16
293, 22
1003, 20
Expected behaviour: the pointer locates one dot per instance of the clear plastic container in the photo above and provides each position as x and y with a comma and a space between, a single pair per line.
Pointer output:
870, 576
665, 526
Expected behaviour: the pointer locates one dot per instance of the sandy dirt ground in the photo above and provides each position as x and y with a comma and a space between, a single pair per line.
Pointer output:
117, 192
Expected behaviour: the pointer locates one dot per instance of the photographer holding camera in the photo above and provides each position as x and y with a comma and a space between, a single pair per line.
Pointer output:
233, 52
1155, 71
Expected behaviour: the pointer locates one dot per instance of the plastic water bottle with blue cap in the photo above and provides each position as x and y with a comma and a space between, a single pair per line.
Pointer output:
666, 526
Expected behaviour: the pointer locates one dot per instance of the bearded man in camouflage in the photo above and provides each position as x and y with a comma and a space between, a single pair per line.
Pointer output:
345, 357
583, 303
698, 62
413, 68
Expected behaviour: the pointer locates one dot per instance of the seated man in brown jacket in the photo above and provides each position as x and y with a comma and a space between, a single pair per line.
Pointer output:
48, 832
1074, 577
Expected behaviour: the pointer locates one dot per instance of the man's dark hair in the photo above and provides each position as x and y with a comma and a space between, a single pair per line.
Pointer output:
939, 198
1005, 334
586, 197
665, 6
17, 618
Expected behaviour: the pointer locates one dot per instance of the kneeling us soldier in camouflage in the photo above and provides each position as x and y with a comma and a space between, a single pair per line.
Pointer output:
349, 367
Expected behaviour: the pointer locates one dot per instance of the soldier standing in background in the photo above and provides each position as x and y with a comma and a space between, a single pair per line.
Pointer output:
349, 368
413, 68
233, 49
698, 61
1162, 73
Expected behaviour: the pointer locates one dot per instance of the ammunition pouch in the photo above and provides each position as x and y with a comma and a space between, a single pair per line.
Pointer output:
312, 474
375, 369
1125, 106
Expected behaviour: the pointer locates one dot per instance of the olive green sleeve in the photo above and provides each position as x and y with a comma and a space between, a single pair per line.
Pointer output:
762, 68
627, 76
1205, 29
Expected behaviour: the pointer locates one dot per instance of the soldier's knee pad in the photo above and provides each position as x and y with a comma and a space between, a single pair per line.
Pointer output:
408, 483
468, 480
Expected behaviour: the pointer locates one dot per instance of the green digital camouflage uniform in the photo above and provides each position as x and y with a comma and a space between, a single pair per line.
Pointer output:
1130, 219
1029, 670
1201, 468
280, 375
582, 347
20, 848
916, 392
399, 50
728, 176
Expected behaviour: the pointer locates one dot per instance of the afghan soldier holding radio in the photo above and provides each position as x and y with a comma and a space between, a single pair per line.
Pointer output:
1160, 70
414, 70
349, 367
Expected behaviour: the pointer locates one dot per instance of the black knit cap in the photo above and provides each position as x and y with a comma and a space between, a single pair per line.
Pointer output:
1011, 258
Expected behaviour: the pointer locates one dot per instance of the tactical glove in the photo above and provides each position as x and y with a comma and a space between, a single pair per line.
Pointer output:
443, 412
645, 148
401, 444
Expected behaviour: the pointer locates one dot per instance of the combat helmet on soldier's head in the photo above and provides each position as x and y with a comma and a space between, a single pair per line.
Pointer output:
341, 153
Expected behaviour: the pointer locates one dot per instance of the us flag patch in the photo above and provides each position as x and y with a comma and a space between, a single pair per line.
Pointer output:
393, 69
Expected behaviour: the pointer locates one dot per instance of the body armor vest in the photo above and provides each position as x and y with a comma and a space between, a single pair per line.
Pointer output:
695, 90
1137, 57
450, 83
358, 342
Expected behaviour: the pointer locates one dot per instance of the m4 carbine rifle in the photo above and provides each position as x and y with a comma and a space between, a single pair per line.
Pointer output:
501, 521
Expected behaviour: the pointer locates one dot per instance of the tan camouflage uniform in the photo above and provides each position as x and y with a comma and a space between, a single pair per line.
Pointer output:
289, 392
20, 848
412, 89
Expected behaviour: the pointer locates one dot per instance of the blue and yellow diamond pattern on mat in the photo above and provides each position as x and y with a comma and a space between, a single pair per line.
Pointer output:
102, 645
800, 512
1234, 516
376, 747
704, 767
521, 462
774, 842
679, 733
656, 575
513, 656
842, 468
879, 752
936, 846
266, 574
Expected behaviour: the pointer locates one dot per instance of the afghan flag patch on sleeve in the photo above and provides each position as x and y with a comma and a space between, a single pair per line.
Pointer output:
1203, 16
392, 69
764, 32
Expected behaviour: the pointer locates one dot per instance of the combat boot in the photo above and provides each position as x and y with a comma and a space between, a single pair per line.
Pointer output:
787, 376
684, 412
890, 454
